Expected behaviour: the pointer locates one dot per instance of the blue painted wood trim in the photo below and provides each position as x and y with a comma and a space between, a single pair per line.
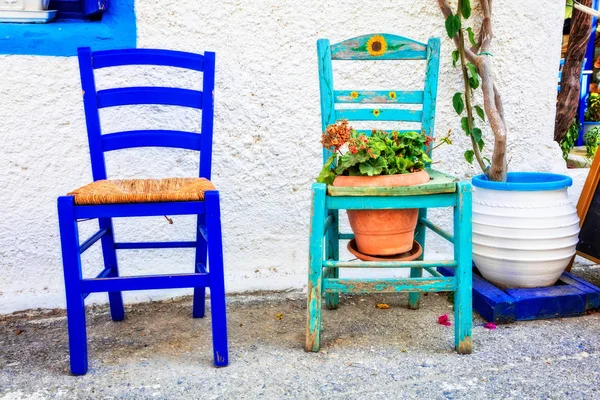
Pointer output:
431, 82
397, 48
139, 209
153, 245
144, 283
117, 29
370, 285
93, 239
170, 58
149, 95
391, 202
208, 88
326, 88
151, 138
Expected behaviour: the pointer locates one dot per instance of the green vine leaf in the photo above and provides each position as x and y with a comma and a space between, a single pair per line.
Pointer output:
457, 103
480, 112
466, 8
477, 135
464, 124
471, 35
455, 55
469, 154
452, 25
474, 79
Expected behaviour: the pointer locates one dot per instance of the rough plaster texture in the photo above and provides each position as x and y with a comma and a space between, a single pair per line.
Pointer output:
267, 128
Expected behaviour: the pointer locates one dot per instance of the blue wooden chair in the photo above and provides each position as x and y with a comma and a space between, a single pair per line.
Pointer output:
105, 199
442, 191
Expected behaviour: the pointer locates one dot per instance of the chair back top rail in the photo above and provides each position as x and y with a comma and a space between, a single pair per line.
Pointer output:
169, 58
94, 100
379, 46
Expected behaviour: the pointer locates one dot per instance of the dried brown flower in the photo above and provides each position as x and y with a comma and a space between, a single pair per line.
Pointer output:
336, 135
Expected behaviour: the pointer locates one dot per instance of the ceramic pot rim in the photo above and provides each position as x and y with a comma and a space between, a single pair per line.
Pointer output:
525, 182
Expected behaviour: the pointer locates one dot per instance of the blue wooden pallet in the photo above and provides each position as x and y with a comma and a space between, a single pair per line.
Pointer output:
571, 296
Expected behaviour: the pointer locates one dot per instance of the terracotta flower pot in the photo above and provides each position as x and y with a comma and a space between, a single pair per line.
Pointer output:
383, 232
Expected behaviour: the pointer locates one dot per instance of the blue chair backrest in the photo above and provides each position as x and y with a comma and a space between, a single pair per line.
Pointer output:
379, 46
96, 99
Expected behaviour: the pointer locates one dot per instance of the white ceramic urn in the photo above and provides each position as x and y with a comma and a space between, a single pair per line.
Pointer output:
525, 230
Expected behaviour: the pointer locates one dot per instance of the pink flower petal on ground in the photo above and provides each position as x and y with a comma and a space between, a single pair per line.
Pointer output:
444, 320
490, 325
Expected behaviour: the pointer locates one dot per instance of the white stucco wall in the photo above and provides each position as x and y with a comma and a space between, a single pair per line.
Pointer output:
267, 129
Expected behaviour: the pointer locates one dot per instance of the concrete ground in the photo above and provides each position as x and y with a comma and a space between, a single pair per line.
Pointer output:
160, 352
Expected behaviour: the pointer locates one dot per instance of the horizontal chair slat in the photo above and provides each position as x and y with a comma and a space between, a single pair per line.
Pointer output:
149, 95
140, 209
378, 96
180, 59
153, 245
389, 202
420, 285
390, 264
151, 138
383, 114
368, 132
149, 282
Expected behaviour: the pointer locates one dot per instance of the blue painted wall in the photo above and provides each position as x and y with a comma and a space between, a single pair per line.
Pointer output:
62, 38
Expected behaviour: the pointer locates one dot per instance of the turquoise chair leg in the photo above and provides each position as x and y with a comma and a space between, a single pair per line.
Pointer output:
315, 269
414, 299
69, 239
199, 302
109, 253
333, 253
463, 312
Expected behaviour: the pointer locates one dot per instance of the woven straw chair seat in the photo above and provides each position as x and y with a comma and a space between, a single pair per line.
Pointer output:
142, 191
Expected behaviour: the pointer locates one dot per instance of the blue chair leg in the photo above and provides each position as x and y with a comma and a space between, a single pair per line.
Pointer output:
217, 279
117, 311
315, 269
463, 312
69, 238
414, 299
199, 302
333, 253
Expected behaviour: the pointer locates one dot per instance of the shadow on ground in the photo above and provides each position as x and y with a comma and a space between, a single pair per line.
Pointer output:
159, 351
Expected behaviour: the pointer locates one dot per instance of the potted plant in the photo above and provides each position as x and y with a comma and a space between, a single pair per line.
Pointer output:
381, 159
592, 112
524, 228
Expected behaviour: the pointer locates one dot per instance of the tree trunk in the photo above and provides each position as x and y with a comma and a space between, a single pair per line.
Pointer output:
568, 98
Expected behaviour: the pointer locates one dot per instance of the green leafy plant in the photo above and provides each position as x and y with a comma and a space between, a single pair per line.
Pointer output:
472, 56
378, 154
593, 109
591, 141
570, 138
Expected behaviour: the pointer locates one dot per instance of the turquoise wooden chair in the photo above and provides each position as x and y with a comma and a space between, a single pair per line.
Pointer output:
442, 191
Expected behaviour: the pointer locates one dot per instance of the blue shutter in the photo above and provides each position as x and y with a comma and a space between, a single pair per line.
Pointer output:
79, 9
95, 8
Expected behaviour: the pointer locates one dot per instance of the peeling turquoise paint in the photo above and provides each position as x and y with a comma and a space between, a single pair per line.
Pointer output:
117, 29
